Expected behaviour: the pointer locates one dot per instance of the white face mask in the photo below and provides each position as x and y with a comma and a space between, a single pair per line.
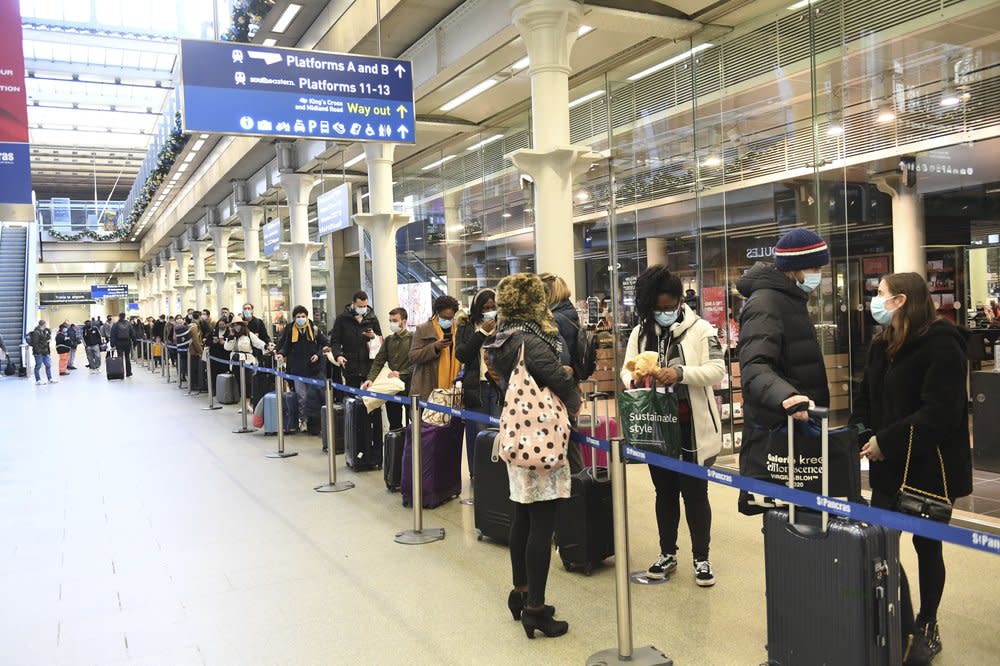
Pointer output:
395, 326
490, 315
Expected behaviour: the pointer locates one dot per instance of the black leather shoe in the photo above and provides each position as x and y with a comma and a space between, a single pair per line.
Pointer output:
543, 621
515, 602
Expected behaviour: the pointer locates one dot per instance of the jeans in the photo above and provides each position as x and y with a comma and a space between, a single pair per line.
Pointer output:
531, 547
72, 356
94, 356
40, 360
490, 406
670, 487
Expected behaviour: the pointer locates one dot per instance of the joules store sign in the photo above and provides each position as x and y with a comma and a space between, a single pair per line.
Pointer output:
15, 168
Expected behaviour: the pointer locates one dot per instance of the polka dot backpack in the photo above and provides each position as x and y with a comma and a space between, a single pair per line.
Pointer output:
534, 424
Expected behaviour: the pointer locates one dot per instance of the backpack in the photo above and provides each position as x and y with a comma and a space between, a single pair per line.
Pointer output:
584, 353
123, 332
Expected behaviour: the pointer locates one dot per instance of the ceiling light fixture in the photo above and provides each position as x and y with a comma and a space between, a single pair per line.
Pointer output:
670, 61
443, 160
270, 41
354, 160
286, 18
521, 64
477, 89
802, 4
197, 145
949, 96
586, 98
485, 142
886, 114
583, 30
712, 161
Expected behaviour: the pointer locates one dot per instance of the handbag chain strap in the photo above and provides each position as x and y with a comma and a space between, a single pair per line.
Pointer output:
906, 472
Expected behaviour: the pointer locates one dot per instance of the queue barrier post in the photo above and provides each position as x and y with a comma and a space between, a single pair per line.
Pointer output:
625, 652
149, 356
279, 395
418, 535
190, 375
243, 401
211, 388
332, 485
180, 380
164, 358
166, 363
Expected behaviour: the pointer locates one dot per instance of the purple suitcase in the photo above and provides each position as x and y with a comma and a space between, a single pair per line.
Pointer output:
440, 463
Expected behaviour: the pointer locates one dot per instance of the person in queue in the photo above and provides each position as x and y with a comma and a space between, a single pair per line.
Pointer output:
525, 321
568, 321
255, 325
73, 338
432, 352
182, 339
691, 361
92, 345
781, 362
395, 352
241, 345
303, 345
481, 392
353, 331
914, 394
40, 341
279, 325
217, 349
122, 338
63, 349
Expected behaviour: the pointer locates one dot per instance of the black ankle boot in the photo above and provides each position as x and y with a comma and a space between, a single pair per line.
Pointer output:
516, 601
543, 621
929, 629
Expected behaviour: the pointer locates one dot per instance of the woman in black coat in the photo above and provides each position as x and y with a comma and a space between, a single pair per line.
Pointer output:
479, 389
914, 391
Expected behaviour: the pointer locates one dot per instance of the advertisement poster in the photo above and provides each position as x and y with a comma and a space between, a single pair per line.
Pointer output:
713, 306
15, 165
416, 299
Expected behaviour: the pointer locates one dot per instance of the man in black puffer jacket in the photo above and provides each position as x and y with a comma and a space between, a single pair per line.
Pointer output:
353, 329
781, 363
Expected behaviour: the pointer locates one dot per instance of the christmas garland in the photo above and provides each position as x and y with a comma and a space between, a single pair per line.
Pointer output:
247, 16
164, 162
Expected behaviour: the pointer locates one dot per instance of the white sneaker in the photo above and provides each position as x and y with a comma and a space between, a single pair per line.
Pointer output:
53, 381
703, 575
40, 382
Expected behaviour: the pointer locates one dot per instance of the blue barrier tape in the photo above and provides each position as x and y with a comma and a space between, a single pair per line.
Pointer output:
892, 519
362, 393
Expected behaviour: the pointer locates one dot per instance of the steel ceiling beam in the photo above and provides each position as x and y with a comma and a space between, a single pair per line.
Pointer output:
122, 42
34, 67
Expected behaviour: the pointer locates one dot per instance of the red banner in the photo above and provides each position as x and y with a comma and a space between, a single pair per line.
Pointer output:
13, 101
713, 307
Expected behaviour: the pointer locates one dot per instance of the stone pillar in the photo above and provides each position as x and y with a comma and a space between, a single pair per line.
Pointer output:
297, 187
978, 279
656, 251
382, 223
171, 284
250, 218
549, 30
514, 265
480, 267
164, 301
454, 248
908, 229
220, 243
183, 286
199, 253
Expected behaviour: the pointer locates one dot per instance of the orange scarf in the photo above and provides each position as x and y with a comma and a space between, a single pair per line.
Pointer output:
306, 330
448, 365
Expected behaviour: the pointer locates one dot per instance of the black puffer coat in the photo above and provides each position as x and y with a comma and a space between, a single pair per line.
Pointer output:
468, 345
541, 360
568, 321
346, 340
779, 354
924, 386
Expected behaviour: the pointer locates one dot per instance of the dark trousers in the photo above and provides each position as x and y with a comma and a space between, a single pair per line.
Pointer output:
930, 569
490, 404
531, 547
670, 487
355, 381
125, 351
397, 412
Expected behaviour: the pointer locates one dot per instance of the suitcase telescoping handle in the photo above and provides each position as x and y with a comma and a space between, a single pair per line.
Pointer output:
595, 397
823, 414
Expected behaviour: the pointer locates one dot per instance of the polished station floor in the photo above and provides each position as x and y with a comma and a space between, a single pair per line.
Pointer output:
137, 528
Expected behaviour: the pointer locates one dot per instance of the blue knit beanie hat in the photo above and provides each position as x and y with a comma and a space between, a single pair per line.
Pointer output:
800, 249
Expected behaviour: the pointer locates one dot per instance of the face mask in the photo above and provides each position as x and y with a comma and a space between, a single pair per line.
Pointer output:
394, 326
247, 314
301, 321
666, 318
361, 310
237, 329
879, 312
444, 323
810, 281
490, 315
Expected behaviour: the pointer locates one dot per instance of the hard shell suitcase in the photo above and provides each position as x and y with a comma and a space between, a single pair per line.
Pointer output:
261, 384
492, 508
338, 427
584, 524
392, 458
227, 389
114, 366
289, 415
833, 586
362, 447
440, 463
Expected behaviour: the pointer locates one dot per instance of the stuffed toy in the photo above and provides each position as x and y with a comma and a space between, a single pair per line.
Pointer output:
643, 365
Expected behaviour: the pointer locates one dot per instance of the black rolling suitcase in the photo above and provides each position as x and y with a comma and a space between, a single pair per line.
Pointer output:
338, 426
493, 510
585, 525
392, 459
114, 365
362, 447
833, 587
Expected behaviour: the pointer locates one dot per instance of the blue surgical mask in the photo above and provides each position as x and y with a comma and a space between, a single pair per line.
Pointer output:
810, 281
489, 315
301, 321
444, 323
247, 314
666, 318
879, 311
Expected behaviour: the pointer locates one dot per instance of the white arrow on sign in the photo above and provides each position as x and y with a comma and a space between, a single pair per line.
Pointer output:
403, 131
400, 70
268, 58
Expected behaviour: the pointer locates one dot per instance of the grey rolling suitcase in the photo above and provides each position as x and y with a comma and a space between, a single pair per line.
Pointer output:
227, 390
493, 510
833, 585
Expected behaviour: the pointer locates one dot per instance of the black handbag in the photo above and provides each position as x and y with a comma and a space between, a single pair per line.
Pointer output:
921, 503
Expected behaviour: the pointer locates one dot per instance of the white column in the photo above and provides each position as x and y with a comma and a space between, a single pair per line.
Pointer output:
908, 230
199, 253
549, 30
656, 251
978, 269
220, 243
183, 286
250, 218
164, 301
454, 248
154, 292
172, 283
297, 187
382, 224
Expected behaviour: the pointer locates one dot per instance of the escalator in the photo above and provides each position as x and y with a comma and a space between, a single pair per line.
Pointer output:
13, 250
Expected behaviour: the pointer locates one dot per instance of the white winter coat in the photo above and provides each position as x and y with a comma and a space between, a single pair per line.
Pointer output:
242, 348
702, 366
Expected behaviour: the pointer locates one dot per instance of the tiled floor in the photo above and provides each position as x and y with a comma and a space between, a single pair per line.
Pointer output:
136, 528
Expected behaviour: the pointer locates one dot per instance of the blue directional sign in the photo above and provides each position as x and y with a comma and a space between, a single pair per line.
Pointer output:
272, 237
108, 291
234, 88
333, 210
